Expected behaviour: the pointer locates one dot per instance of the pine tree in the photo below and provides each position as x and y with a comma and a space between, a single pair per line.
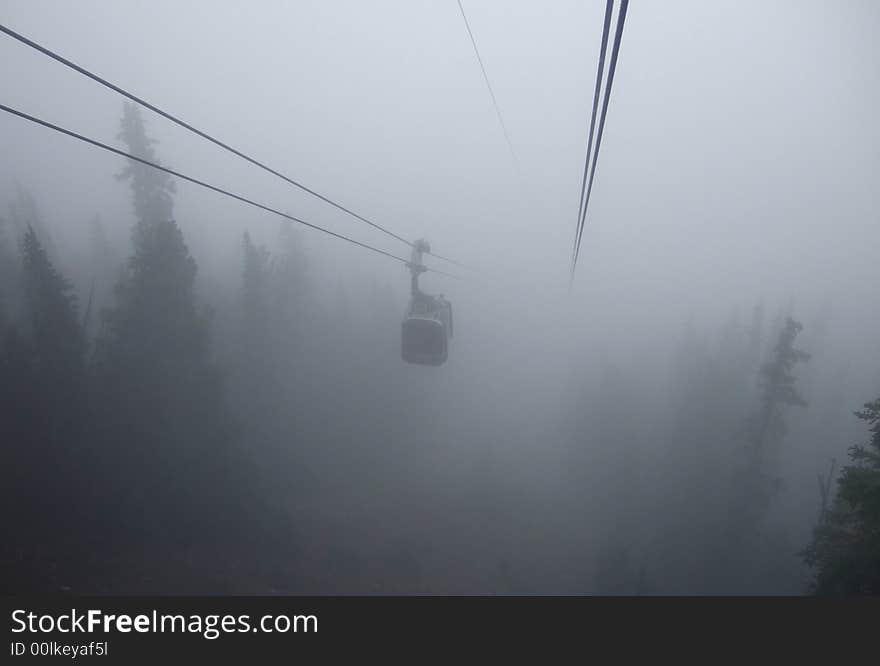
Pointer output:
57, 343
845, 551
167, 431
8, 267
168, 440
151, 189
751, 550
163, 393
778, 386
17, 446
25, 214
44, 412
760, 480
52, 318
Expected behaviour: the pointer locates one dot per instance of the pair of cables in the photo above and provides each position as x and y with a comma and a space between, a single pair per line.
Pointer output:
125, 93
590, 166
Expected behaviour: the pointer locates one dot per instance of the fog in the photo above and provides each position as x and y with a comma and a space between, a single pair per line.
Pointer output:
580, 439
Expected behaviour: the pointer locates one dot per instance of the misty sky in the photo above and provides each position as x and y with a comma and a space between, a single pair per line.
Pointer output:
739, 161
739, 166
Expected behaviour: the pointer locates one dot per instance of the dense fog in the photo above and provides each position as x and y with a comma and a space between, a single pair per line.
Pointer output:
218, 403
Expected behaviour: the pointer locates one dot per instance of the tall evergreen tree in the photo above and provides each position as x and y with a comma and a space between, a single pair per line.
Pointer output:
52, 318
167, 427
25, 214
151, 189
44, 412
163, 392
760, 479
778, 386
755, 555
8, 267
845, 551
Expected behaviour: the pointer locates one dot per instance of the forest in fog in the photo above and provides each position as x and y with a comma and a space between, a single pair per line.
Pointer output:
163, 435
202, 398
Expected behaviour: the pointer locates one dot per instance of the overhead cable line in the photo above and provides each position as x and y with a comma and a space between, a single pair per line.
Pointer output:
609, 8
489, 86
238, 197
104, 82
611, 69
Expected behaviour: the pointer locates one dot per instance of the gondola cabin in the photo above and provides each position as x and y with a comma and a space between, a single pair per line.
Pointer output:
427, 324
425, 332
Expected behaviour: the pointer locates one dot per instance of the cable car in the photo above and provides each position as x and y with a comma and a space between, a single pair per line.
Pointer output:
427, 324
